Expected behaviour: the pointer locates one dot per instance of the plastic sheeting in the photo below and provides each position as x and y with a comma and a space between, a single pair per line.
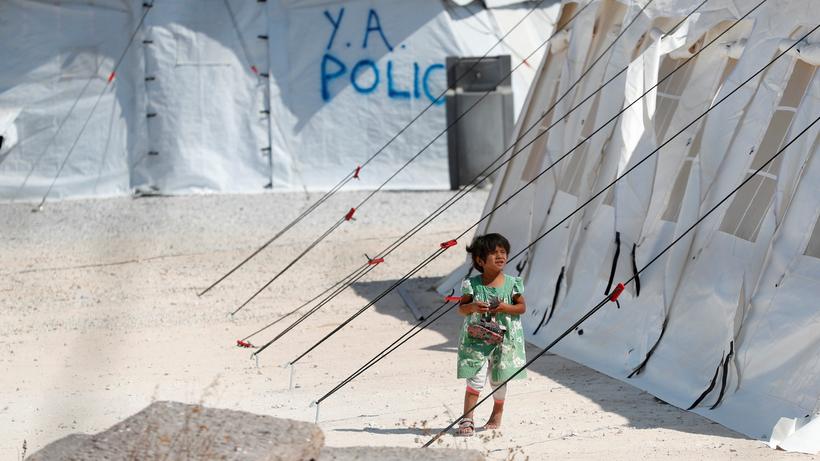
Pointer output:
236, 96
726, 322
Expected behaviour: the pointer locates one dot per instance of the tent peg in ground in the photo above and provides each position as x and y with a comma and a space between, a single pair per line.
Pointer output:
290, 380
315, 404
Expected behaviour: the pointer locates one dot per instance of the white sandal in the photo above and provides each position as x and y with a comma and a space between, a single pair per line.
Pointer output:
466, 428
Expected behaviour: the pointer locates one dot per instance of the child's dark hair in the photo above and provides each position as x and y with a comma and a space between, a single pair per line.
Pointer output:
483, 245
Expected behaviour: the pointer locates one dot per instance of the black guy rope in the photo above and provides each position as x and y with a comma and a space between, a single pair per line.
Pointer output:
483, 175
239, 36
282, 231
407, 336
304, 317
147, 6
621, 286
338, 223
392, 287
289, 313
508, 199
356, 171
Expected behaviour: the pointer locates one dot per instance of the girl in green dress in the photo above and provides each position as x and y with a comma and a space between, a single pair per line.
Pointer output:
490, 292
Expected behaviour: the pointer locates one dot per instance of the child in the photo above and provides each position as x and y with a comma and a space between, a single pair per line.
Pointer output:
491, 293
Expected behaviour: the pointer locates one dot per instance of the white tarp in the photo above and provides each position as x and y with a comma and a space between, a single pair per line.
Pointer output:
727, 321
236, 96
56, 59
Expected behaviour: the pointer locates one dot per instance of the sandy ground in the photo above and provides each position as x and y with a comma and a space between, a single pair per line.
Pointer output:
100, 317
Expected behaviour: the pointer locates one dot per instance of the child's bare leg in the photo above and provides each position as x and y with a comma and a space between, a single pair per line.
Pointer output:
470, 399
495, 418
499, 394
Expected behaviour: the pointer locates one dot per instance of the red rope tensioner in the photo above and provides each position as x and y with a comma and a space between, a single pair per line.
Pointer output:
349, 214
245, 344
452, 298
616, 292
356, 174
449, 243
111, 76
375, 261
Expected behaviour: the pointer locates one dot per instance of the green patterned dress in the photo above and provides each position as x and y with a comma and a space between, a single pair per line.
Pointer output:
508, 356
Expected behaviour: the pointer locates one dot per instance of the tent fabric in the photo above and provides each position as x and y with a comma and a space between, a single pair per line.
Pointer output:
724, 322
52, 57
236, 96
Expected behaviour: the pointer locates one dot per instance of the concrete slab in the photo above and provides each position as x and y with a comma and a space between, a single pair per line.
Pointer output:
176, 431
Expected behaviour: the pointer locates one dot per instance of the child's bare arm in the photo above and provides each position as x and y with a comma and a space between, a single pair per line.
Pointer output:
518, 307
468, 307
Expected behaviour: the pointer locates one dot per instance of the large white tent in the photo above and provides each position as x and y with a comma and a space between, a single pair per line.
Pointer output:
236, 96
726, 323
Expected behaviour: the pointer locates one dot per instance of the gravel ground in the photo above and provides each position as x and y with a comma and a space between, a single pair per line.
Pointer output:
100, 317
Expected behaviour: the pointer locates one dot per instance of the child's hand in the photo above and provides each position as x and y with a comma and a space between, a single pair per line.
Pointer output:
480, 307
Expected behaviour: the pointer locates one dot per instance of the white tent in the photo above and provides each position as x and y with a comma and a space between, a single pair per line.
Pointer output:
236, 96
727, 321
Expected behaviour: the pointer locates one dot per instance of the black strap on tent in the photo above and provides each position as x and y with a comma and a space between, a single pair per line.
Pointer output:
708, 389
724, 363
637, 370
556, 294
522, 265
545, 319
514, 194
355, 174
480, 177
614, 262
620, 287
635, 272
725, 378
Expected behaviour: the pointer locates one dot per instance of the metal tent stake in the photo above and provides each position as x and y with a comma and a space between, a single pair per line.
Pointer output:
290, 381
315, 404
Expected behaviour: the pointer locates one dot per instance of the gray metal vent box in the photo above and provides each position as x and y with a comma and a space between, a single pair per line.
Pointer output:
480, 133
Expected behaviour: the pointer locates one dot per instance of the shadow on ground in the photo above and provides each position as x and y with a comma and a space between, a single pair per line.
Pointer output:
641, 409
